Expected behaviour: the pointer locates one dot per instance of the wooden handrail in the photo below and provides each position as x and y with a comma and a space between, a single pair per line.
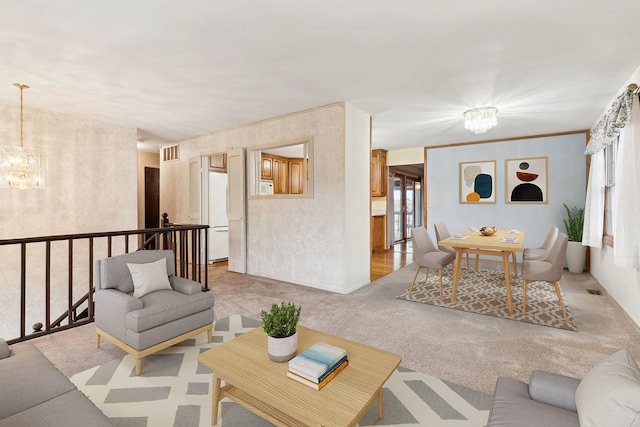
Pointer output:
186, 242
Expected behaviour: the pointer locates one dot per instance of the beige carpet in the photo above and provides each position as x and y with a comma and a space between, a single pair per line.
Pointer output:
173, 389
484, 292
456, 346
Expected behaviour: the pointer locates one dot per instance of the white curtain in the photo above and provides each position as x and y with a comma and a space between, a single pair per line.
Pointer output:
627, 189
594, 205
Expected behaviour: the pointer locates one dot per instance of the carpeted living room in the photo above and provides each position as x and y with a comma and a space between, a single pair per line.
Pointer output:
458, 355
446, 191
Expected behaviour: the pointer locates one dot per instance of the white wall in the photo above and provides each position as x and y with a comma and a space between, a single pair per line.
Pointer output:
566, 166
91, 183
622, 284
357, 231
405, 156
295, 240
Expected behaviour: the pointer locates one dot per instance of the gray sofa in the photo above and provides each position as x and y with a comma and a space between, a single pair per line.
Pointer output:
146, 323
34, 393
608, 396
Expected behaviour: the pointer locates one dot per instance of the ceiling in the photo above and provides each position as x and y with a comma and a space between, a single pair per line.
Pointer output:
176, 70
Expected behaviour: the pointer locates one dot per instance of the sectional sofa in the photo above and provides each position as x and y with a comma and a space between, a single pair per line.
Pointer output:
35, 393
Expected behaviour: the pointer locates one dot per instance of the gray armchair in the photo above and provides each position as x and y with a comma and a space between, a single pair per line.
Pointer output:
159, 319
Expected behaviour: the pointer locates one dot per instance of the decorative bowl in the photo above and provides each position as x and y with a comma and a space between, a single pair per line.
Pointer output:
488, 231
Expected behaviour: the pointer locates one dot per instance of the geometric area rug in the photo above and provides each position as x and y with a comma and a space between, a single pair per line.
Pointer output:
173, 389
484, 292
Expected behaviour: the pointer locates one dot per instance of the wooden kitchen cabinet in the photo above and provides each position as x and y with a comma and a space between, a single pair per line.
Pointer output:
378, 173
280, 175
296, 177
267, 167
378, 234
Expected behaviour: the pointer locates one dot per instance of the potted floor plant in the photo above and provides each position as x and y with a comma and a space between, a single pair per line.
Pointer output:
280, 326
576, 252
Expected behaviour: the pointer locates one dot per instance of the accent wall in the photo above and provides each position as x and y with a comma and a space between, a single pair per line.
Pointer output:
566, 184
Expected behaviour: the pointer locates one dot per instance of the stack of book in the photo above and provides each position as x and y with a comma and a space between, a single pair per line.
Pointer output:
318, 365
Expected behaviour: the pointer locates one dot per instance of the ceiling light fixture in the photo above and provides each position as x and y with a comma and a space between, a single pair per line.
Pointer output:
480, 120
21, 167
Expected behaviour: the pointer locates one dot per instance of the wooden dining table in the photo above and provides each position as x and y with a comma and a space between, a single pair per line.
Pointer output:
503, 243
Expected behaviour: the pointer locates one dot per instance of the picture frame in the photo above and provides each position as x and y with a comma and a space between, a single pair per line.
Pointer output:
478, 182
527, 180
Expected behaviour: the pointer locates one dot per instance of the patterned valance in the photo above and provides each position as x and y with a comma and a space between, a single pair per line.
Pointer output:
609, 126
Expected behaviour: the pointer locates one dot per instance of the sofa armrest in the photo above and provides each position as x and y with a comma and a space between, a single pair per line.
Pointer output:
111, 308
554, 389
184, 286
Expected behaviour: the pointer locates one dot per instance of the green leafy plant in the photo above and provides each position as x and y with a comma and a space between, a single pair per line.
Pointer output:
574, 223
282, 320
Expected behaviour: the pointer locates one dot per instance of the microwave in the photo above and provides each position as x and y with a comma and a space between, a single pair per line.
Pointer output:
266, 187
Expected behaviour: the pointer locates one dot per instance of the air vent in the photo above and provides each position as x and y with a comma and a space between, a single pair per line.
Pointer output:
170, 153
594, 292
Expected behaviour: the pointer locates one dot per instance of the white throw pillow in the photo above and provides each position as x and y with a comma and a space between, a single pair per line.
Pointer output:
609, 395
149, 277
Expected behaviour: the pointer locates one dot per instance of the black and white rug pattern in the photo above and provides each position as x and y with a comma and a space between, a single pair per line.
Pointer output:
484, 292
175, 390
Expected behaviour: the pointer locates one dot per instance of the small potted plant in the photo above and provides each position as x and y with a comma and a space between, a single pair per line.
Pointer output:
576, 252
280, 326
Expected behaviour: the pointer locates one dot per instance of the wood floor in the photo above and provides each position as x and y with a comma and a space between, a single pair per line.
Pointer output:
395, 258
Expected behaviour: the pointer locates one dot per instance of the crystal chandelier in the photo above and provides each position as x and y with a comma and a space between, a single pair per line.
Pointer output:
21, 167
480, 120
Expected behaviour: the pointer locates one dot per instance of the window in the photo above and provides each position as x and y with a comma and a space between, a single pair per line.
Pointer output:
610, 154
282, 170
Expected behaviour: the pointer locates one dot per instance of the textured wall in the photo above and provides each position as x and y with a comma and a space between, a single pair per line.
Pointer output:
296, 240
91, 186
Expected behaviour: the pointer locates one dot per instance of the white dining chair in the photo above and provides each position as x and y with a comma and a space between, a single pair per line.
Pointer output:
426, 255
443, 233
549, 269
541, 252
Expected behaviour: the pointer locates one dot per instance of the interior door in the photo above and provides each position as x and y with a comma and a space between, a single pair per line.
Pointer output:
236, 205
151, 202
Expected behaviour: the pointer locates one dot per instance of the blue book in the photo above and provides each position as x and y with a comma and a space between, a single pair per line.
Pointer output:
317, 360
323, 376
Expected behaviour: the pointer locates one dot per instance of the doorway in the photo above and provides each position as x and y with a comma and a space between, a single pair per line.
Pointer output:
407, 202
151, 202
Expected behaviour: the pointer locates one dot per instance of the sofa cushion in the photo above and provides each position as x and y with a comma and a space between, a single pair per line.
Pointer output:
149, 277
4, 349
162, 307
513, 407
113, 273
32, 379
71, 409
609, 395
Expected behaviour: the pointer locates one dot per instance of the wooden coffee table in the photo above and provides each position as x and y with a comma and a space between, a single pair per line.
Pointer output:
262, 386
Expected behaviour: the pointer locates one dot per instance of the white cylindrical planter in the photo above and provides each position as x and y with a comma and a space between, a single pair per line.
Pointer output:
576, 255
282, 349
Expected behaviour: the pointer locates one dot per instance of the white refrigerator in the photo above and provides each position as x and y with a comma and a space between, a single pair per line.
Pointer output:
218, 221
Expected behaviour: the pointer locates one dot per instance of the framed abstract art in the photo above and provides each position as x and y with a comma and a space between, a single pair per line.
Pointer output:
478, 182
527, 180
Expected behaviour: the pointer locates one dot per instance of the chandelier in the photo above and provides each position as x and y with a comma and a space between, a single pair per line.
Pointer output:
480, 120
21, 167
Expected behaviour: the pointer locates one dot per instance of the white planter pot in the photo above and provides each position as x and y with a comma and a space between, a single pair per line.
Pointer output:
576, 255
282, 349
